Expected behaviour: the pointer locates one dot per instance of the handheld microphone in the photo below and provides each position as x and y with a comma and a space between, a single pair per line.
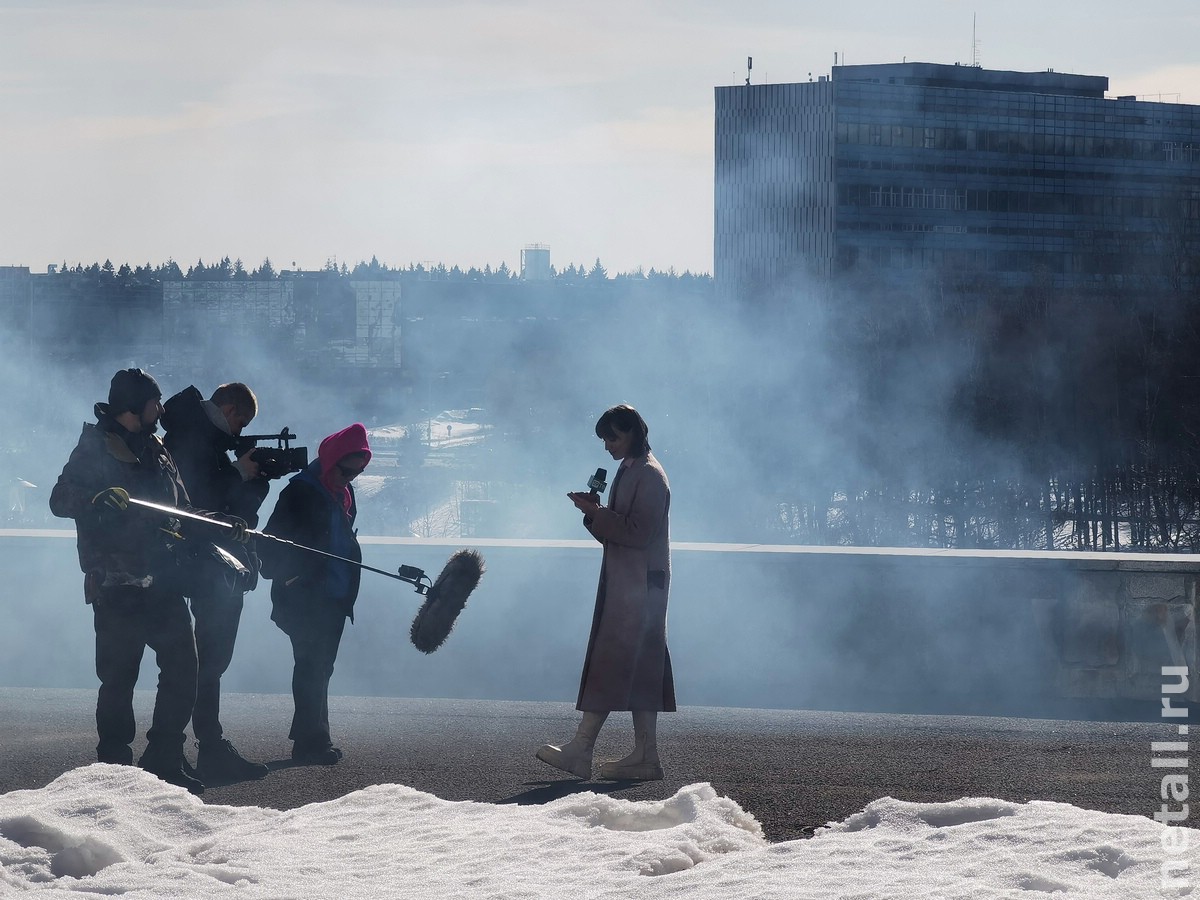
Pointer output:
597, 483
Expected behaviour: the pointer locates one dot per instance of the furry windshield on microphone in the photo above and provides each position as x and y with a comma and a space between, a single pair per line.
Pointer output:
446, 600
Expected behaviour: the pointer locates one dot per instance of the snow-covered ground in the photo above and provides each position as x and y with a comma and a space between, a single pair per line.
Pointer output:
450, 428
441, 437
456, 428
387, 435
369, 485
103, 830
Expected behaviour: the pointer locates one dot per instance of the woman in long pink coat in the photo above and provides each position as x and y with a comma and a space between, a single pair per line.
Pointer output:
627, 665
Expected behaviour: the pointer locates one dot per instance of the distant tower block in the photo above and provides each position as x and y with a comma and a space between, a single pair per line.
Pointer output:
535, 262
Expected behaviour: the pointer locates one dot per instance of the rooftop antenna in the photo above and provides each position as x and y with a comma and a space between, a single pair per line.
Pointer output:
749, 66
974, 44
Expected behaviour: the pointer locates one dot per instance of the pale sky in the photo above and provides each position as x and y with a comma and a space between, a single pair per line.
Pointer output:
104, 830
454, 131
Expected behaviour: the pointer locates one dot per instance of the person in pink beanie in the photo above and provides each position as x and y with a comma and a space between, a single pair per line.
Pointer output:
312, 596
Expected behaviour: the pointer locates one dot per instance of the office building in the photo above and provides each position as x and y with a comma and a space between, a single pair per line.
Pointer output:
949, 174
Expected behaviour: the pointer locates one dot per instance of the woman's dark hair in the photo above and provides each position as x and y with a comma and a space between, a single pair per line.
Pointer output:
624, 417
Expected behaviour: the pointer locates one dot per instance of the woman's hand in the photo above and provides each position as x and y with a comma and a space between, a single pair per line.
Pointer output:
585, 502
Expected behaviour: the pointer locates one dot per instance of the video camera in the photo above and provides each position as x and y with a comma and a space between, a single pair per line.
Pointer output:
277, 461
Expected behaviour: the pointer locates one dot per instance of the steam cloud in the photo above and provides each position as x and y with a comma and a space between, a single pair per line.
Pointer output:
743, 411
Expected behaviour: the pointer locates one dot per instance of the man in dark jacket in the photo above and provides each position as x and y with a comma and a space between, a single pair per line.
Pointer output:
199, 434
126, 580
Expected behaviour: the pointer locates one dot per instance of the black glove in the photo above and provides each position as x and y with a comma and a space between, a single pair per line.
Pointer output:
238, 528
111, 503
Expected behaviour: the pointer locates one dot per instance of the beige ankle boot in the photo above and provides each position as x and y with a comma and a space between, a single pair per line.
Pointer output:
643, 763
575, 756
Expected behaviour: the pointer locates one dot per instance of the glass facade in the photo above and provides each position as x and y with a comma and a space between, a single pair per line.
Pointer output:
922, 167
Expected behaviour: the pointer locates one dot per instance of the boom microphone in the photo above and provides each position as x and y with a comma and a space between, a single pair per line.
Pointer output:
444, 598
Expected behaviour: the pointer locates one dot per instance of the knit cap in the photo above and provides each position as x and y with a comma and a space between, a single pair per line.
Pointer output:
130, 390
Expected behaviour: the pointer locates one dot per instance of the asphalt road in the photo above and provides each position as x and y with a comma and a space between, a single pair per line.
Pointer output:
793, 770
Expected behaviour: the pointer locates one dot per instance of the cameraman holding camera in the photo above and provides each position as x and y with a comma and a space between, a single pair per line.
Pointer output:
199, 435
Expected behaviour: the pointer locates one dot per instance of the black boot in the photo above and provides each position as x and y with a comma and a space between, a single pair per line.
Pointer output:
315, 754
167, 764
219, 762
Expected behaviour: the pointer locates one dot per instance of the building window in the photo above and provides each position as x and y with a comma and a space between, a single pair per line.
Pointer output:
1177, 151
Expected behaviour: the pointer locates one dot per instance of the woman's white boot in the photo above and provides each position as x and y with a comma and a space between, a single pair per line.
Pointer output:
643, 763
575, 756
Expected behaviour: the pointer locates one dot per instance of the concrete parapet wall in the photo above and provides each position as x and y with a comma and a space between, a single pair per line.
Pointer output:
749, 626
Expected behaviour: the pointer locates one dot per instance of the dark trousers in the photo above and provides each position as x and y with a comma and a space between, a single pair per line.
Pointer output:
315, 643
128, 620
217, 620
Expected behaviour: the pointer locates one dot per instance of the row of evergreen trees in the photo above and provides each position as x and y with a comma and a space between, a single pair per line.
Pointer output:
235, 270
